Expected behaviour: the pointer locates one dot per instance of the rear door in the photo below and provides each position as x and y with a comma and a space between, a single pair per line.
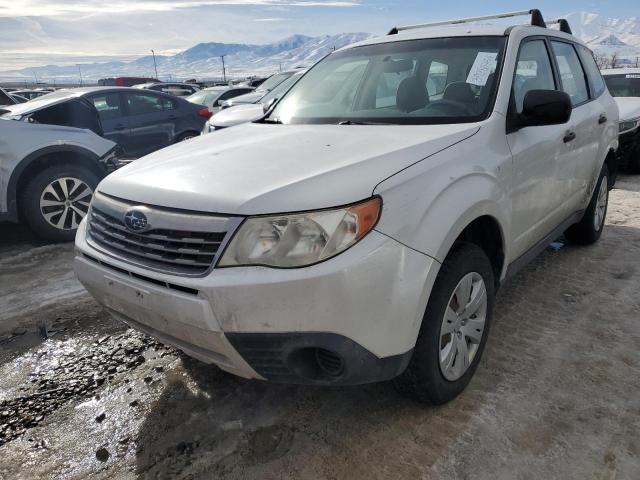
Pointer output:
582, 135
541, 172
115, 123
151, 124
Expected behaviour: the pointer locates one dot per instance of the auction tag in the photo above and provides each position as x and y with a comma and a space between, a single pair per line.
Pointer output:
483, 66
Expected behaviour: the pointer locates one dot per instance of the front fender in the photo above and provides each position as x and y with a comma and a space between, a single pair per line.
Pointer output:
427, 206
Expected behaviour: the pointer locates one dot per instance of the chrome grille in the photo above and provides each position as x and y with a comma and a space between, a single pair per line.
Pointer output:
176, 242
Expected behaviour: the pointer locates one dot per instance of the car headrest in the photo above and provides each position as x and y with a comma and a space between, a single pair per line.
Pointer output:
112, 100
459, 92
411, 95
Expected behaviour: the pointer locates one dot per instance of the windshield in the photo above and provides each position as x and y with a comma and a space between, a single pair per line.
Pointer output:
428, 81
281, 89
623, 85
204, 97
274, 80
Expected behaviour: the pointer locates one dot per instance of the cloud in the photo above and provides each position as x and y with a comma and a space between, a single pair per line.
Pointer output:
38, 8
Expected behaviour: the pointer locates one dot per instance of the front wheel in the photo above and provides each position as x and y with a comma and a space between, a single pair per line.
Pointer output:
589, 229
57, 199
454, 328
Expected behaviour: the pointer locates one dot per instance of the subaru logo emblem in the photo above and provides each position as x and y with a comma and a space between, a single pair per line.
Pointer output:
135, 220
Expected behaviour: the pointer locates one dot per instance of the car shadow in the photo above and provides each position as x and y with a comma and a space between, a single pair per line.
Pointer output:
15, 237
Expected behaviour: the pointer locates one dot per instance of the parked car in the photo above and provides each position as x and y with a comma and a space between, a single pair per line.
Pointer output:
359, 231
139, 121
175, 89
5, 98
253, 82
214, 96
268, 85
31, 94
250, 112
624, 85
48, 174
125, 81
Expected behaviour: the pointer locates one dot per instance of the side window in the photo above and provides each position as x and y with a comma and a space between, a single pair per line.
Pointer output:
437, 78
571, 74
141, 103
169, 104
593, 72
533, 71
108, 105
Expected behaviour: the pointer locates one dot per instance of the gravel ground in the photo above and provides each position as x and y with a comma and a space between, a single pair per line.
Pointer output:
557, 394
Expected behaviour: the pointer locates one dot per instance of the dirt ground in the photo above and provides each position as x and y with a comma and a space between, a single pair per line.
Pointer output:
557, 394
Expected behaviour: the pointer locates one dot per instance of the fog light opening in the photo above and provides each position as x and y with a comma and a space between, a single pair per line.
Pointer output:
329, 362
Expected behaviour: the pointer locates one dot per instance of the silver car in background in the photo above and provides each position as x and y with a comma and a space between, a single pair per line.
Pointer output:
48, 174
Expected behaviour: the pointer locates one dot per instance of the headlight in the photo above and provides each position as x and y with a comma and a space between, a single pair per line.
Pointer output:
628, 125
300, 239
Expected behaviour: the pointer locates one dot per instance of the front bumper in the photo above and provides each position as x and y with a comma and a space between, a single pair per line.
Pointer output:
629, 150
350, 320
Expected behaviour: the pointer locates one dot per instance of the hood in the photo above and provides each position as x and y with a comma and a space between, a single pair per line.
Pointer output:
251, 97
256, 168
629, 107
41, 102
237, 115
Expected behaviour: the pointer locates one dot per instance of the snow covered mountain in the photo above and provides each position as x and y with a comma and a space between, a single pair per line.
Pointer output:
203, 60
606, 36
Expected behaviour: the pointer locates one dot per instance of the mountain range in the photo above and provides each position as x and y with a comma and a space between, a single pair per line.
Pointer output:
604, 35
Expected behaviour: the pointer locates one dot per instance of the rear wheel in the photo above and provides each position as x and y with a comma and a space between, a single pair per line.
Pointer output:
589, 229
454, 328
56, 199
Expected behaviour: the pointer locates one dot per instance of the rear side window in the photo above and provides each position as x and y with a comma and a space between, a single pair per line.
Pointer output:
533, 71
108, 105
593, 72
141, 103
571, 73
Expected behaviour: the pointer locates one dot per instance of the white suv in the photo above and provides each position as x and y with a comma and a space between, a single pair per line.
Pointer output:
360, 230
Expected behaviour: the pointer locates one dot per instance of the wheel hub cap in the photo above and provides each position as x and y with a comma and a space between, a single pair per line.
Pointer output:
65, 202
601, 204
462, 326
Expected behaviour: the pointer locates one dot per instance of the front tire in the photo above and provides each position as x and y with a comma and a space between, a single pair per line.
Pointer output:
454, 328
589, 229
56, 199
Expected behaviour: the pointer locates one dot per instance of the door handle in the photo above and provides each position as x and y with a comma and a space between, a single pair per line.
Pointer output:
602, 119
569, 137
119, 127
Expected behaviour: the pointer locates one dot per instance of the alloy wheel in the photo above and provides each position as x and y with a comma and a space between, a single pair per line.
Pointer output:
65, 202
601, 204
462, 326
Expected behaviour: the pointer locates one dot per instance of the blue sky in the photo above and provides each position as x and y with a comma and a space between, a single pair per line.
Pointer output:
33, 32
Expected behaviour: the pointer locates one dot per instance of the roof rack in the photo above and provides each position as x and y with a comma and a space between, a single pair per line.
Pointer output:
536, 20
564, 25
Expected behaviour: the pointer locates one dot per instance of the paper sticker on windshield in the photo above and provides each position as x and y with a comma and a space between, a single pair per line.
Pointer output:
483, 66
632, 76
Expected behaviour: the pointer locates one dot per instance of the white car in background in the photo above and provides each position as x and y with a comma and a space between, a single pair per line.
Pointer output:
269, 84
250, 112
213, 97
360, 230
624, 86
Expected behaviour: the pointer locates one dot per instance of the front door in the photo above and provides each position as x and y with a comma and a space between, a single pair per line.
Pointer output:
115, 124
542, 172
151, 125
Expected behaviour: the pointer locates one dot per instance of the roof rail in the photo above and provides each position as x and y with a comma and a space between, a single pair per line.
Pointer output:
564, 25
536, 20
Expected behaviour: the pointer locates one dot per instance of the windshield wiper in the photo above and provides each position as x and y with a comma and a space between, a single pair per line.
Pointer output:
272, 120
354, 122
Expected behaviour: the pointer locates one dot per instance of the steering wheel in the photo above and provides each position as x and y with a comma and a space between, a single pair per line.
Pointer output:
447, 108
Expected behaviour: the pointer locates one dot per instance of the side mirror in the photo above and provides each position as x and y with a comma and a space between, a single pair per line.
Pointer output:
545, 107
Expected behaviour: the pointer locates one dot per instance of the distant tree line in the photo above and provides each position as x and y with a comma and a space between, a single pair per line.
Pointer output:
613, 60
